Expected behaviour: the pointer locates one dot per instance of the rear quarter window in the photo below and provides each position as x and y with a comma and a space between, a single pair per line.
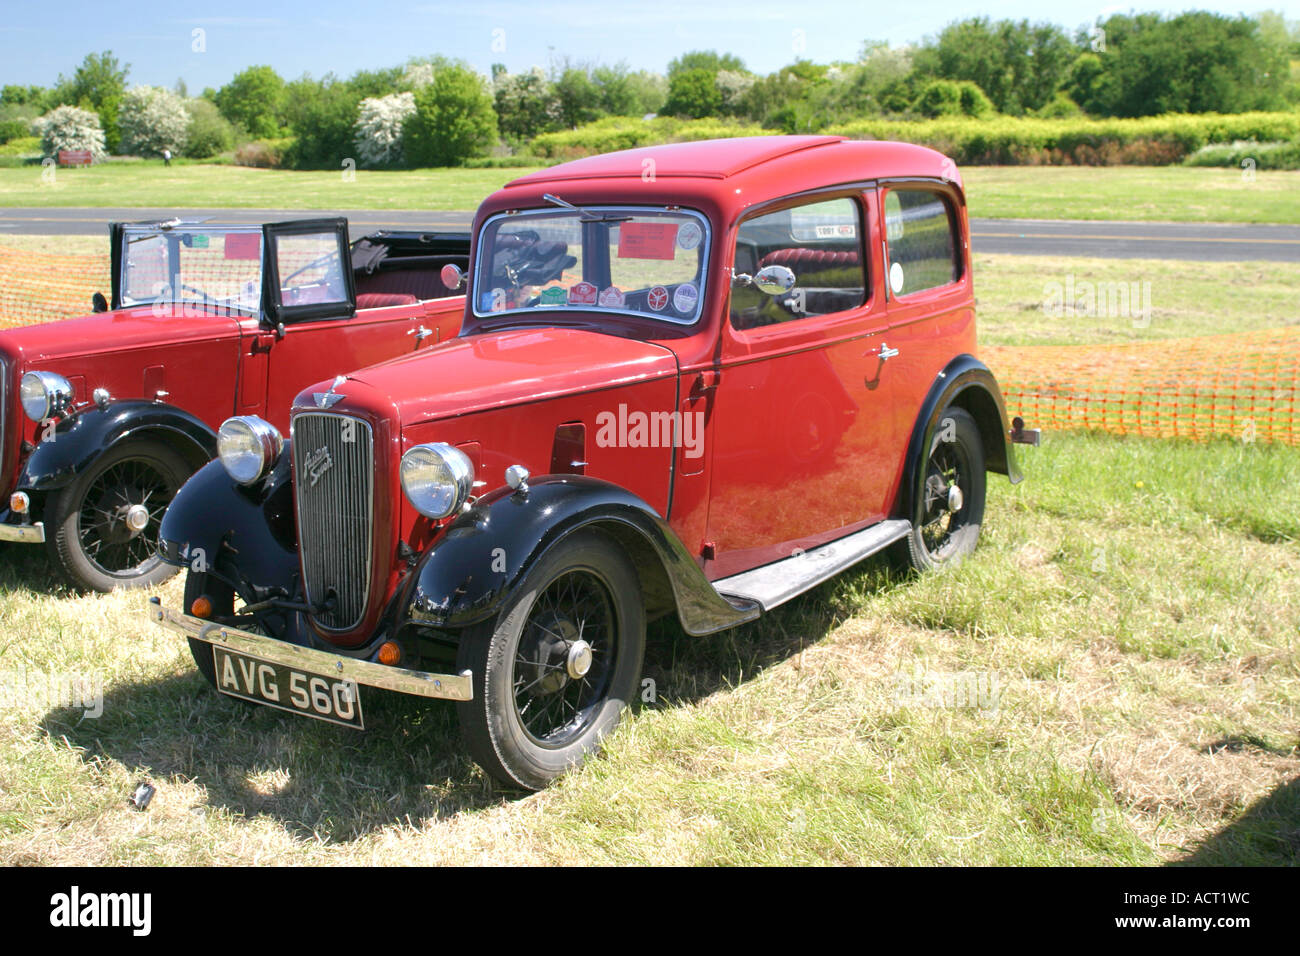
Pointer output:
920, 238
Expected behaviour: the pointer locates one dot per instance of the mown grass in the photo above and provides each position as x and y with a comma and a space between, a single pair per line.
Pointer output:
1014, 299
1132, 612
1149, 193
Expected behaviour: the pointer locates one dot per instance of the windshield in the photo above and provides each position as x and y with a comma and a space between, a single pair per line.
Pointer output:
646, 262
202, 267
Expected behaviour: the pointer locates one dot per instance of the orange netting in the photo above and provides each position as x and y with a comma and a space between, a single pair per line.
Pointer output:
1241, 385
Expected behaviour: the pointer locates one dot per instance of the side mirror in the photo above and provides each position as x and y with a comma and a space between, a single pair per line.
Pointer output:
774, 280
452, 276
98, 303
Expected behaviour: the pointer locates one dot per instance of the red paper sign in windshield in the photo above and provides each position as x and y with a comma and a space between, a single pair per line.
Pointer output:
647, 240
243, 245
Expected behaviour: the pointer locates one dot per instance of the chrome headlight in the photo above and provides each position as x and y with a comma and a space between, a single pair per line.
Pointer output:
44, 394
249, 447
437, 478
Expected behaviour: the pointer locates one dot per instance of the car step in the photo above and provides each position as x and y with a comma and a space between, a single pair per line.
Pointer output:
774, 584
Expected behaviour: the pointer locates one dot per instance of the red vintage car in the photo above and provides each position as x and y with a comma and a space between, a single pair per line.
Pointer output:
692, 380
103, 418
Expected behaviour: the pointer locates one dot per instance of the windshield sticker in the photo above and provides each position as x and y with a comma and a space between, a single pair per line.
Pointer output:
582, 293
612, 298
689, 235
844, 230
685, 297
555, 295
657, 298
198, 241
896, 278
647, 240
243, 245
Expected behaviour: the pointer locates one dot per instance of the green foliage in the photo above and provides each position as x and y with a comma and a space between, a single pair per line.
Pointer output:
252, 100
151, 120
1245, 154
453, 119
1153, 140
12, 129
951, 98
577, 97
616, 132
210, 133
97, 84
693, 93
322, 115
1019, 65
525, 105
709, 60
36, 97
1195, 63
263, 153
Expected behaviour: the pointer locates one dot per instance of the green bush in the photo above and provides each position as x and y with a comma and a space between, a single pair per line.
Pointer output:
1150, 141
453, 120
14, 129
1245, 154
621, 132
263, 153
210, 133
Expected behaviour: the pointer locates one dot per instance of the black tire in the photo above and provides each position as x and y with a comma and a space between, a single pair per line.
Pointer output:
87, 537
941, 536
584, 590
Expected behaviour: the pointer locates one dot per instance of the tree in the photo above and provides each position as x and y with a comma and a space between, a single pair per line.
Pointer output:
577, 96
209, 132
1192, 63
709, 60
152, 119
252, 100
949, 98
97, 84
70, 127
322, 115
379, 128
526, 105
1018, 65
693, 93
453, 119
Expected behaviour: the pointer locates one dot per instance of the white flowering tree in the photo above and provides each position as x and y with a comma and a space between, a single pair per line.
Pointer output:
152, 119
69, 127
379, 128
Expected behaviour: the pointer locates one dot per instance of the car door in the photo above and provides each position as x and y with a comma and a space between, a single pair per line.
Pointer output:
311, 329
796, 437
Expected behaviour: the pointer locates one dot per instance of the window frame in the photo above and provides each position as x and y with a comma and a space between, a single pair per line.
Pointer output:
945, 195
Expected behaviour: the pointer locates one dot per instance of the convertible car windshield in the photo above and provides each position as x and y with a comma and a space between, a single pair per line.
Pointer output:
211, 267
647, 262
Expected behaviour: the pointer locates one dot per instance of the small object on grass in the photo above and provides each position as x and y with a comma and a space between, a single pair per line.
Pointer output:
143, 794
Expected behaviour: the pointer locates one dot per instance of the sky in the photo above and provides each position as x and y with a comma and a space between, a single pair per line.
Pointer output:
206, 43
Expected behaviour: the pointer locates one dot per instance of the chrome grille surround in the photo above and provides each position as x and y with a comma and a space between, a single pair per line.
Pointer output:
334, 500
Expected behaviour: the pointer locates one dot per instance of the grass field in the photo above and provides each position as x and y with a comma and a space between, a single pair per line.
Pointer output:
1151, 193
1130, 624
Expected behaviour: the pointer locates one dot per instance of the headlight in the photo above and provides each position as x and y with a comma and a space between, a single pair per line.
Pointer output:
44, 394
437, 477
249, 447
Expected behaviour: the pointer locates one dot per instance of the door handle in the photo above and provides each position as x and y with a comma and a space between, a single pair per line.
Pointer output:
420, 333
882, 352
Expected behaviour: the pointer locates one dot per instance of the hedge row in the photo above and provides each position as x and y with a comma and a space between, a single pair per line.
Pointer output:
1148, 141
1001, 140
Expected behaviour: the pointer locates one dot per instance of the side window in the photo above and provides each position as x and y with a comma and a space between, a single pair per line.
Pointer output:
821, 243
919, 234
310, 268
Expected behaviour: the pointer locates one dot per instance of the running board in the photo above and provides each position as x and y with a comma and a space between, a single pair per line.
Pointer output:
774, 584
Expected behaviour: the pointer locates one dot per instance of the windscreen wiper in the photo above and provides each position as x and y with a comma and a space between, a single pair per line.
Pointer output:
585, 215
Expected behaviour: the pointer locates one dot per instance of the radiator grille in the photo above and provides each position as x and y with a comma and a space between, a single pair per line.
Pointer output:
333, 459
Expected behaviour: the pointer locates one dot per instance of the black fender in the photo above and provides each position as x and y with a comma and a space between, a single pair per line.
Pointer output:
966, 383
473, 568
81, 438
253, 524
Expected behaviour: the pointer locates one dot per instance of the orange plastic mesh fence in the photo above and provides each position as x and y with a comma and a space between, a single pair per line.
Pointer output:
1242, 385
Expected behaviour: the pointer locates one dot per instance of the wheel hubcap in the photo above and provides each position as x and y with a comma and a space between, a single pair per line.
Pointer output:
137, 518
579, 659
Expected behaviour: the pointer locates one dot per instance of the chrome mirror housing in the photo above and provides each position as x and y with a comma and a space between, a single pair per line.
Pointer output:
774, 280
452, 276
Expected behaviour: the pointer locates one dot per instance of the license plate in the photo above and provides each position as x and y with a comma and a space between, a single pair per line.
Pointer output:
299, 692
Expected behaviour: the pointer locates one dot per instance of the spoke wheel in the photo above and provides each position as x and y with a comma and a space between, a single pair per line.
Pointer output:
950, 503
105, 523
554, 671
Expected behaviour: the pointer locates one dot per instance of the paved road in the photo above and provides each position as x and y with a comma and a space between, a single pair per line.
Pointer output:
1118, 240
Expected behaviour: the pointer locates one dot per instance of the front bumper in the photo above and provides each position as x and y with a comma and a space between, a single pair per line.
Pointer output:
420, 683
23, 533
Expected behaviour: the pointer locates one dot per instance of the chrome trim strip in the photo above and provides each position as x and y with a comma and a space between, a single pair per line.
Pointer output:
419, 683
23, 533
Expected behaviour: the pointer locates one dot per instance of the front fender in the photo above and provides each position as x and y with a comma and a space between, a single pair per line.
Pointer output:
967, 383
478, 563
250, 527
81, 438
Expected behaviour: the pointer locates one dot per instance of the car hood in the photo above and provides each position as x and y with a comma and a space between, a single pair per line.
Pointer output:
510, 367
122, 330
